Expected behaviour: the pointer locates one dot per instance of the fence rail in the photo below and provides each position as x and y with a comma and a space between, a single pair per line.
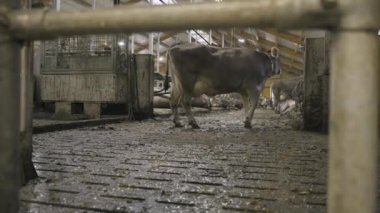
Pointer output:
354, 65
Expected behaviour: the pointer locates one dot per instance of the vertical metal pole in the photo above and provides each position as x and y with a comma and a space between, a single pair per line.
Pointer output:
132, 46
222, 39
93, 4
150, 37
150, 40
158, 53
378, 95
189, 36
210, 37
9, 117
232, 38
353, 122
58, 5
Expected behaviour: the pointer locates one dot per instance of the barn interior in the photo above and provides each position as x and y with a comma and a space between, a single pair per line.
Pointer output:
100, 137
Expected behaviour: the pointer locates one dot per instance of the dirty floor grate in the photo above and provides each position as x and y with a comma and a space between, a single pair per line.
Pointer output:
150, 167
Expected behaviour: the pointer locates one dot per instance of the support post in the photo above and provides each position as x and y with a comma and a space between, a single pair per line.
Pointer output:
10, 116
222, 39
28, 171
353, 140
140, 100
210, 37
232, 38
92, 110
132, 45
315, 88
150, 40
57, 5
158, 53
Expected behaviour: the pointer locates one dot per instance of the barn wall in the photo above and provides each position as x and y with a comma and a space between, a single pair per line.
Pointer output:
84, 87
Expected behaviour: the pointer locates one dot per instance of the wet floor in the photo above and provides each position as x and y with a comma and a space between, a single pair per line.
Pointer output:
151, 167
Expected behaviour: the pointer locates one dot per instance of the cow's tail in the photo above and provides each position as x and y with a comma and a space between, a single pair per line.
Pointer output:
166, 83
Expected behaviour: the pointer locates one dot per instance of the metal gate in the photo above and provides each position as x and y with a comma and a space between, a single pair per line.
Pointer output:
86, 53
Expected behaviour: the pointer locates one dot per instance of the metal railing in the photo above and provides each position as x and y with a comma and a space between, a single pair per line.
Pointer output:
354, 106
85, 53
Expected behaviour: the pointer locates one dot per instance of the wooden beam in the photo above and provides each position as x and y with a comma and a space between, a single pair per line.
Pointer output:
285, 65
284, 35
216, 34
162, 38
286, 68
286, 60
290, 52
295, 64
83, 3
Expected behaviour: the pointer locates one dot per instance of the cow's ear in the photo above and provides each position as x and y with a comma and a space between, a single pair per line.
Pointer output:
275, 52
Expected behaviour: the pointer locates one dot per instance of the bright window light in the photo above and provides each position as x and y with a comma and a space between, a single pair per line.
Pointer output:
241, 40
121, 43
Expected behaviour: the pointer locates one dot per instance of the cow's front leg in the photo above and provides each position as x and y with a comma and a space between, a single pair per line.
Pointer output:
245, 104
176, 121
253, 97
189, 113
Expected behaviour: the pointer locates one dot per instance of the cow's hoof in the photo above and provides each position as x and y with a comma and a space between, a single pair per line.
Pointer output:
178, 125
247, 125
194, 125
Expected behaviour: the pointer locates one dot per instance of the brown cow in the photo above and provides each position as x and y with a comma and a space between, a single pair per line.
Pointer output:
197, 69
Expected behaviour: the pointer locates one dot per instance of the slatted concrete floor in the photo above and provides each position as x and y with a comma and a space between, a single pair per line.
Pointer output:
150, 167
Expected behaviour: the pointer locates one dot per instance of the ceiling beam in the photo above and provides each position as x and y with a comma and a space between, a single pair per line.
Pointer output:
289, 69
286, 60
284, 35
162, 38
263, 41
83, 3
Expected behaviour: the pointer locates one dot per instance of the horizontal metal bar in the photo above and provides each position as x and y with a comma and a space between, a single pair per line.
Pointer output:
40, 24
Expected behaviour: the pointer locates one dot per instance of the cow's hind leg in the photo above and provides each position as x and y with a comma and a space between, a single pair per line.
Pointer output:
253, 97
174, 102
275, 100
189, 113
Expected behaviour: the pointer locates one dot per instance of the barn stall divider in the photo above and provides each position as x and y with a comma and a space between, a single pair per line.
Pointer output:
354, 82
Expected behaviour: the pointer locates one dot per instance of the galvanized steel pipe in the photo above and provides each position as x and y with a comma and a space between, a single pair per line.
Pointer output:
9, 117
353, 140
38, 24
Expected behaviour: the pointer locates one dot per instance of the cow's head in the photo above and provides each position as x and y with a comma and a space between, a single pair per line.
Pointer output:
275, 59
